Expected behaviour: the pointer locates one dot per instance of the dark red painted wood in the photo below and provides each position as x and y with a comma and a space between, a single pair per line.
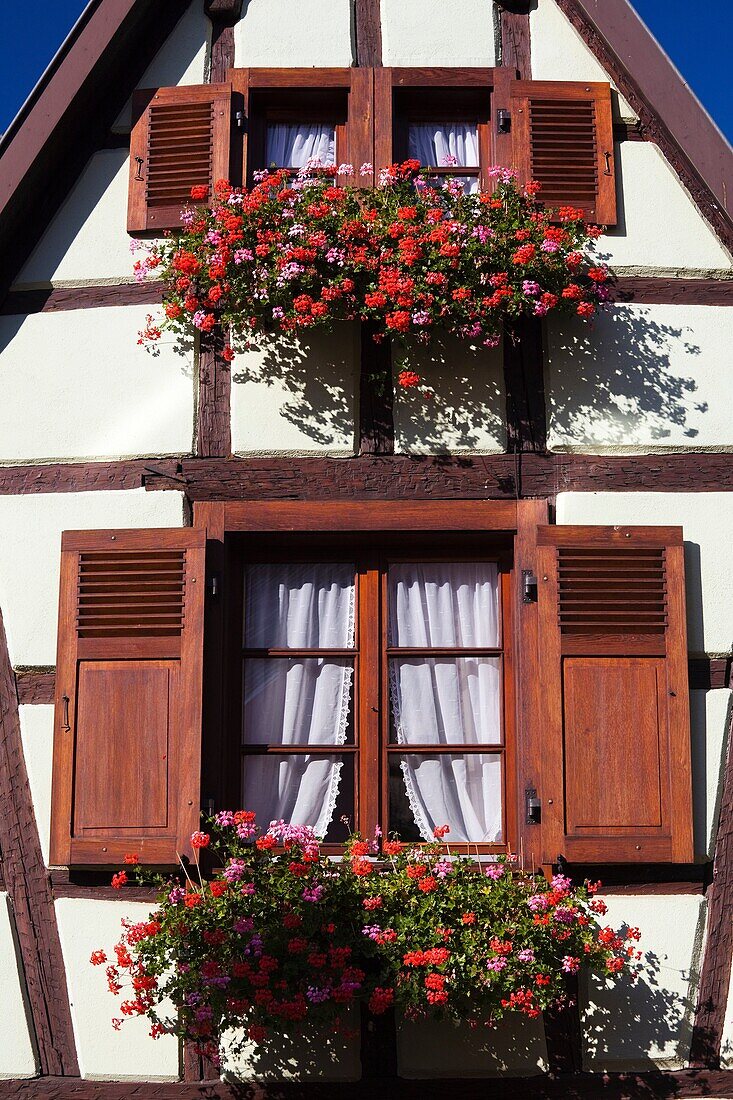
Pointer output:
20, 302
35, 685
515, 36
213, 427
82, 477
524, 384
27, 884
368, 27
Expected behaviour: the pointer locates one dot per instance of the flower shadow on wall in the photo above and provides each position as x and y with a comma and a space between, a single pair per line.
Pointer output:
316, 375
619, 382
638, 1024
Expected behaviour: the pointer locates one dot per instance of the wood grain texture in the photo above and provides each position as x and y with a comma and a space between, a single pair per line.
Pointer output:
213, 420
524, 384
35, 686
84, 477
652, 126
376, 396
658, 290
27, 884
60, 298
712, 996
368, 30
709, 672
515, 37
679, 1085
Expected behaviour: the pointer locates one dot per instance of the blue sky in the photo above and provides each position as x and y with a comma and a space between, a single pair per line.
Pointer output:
697, 35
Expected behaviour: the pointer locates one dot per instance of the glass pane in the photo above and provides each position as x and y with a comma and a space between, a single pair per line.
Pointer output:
301, 790
305, 701
444, 604
299, 605
445, 700
463, 792
444, 144
292, 145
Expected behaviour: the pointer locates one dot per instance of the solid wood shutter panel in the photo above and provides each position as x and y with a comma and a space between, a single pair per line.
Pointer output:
180, 139
562, 136
127, 737
615, 723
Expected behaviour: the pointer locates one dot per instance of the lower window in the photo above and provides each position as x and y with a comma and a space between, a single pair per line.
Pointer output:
374, 691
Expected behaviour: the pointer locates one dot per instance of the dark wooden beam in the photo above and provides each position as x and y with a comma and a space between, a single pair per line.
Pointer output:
563, 1035
82, 477
712, 995
660, 290
223, 15
376, 396
35, 685
19, 302
213, 421
524, 384
515, 40
27, 884
368, 33
652, 1085
710, 672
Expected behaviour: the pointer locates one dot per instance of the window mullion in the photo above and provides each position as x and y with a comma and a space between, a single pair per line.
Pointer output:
369, 698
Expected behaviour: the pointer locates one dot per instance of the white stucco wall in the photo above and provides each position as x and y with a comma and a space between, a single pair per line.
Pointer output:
647, 1024
300, 399
128, 1054
709, 722
707, 522
17, 1056
464, 407
640, 378
87, 239
435, 1049
274, 33
438, 32
659, 227
316, 1055
36, 731
182, 59
30, 548
93, 392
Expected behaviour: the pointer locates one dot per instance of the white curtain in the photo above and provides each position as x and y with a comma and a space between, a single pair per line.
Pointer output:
292, 146
446, 700
296, 701
445, 145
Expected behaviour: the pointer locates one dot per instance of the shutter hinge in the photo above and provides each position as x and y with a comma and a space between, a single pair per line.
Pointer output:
214, 585
503, 121
529, 586
533, 806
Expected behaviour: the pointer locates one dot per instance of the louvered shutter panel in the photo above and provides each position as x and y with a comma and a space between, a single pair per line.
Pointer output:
180, 139
615, 719
562, 136
127, 737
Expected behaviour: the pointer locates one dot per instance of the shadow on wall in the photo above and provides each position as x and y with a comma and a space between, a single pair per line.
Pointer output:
639, 1024
316, 379
314, 1054
614, 382
463, 408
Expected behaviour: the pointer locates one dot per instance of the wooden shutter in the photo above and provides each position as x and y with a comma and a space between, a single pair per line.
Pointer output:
615, 719
180, 139
127, 737
562, 136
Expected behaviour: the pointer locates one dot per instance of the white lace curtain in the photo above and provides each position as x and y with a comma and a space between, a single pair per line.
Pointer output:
446, 700
292, 146
296, 701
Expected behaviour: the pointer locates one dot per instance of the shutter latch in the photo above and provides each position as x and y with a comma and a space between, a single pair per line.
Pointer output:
139, 172
533, 806
503, 121
529, 586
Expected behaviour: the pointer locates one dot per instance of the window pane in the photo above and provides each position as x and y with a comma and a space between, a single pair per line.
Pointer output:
299, 606
444, 604
444, 144
445, 700
293, 145
301, 790
463, 792
298, 702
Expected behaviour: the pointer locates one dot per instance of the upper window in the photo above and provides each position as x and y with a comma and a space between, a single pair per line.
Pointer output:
374, 691
445, 128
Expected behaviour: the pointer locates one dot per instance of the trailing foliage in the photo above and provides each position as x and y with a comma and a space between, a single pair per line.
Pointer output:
282, 934
293, 253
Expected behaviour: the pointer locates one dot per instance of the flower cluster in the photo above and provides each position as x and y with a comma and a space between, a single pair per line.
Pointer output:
280, 934
407, 257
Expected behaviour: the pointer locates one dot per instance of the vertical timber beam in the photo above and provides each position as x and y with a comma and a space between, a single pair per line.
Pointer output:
525, 386
213, 415
28, 886
712, 997
375, 428
515, 41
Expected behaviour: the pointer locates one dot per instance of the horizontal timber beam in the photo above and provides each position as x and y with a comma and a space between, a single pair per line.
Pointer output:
582, 1086
82, 477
